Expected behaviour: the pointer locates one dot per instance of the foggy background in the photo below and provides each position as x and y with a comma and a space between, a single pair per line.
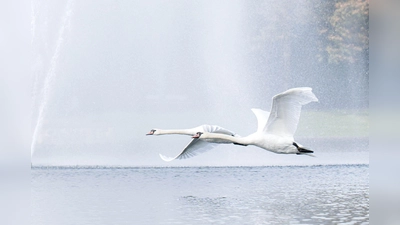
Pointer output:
105, 73
20, 20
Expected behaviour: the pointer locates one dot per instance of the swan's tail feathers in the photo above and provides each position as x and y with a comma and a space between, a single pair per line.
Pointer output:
166, 158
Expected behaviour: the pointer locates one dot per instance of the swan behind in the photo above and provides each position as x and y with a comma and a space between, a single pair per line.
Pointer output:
195, 146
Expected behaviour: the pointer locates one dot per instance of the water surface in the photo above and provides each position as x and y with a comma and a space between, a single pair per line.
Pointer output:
201, 195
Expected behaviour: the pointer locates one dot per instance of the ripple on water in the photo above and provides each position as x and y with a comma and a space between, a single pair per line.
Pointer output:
264, 195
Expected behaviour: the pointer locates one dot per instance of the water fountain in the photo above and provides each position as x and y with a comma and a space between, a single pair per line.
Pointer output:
107, 72
50, 70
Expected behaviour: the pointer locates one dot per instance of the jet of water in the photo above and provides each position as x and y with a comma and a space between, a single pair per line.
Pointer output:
52, 72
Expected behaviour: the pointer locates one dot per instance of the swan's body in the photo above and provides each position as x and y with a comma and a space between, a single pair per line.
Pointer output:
276, 133
196, 146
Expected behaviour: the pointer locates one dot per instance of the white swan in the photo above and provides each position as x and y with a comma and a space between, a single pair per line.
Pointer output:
196, 146
276, 133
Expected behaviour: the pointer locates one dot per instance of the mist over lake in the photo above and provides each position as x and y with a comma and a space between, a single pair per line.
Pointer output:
105, 73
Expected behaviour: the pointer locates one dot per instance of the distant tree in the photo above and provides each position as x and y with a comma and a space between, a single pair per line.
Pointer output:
346, 32
321, 42
344, 48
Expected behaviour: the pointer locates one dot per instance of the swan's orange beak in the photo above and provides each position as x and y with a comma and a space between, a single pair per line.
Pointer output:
196, 135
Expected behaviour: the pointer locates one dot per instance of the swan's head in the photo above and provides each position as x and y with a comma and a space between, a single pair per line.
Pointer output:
197, 135
153, 132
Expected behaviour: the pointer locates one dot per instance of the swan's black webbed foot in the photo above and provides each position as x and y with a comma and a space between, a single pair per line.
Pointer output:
302, 150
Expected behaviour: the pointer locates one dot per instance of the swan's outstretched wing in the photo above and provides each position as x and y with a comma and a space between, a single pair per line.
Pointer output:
195, 147
217, 129
286, 108
262, 118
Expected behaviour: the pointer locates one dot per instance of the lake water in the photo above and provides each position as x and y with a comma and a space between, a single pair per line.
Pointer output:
336, 194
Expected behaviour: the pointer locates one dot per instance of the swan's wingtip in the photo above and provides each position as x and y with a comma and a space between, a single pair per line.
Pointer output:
166, 158
311, 94
314, 98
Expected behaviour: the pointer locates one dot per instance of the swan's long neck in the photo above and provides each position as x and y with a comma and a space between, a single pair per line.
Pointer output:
176, 131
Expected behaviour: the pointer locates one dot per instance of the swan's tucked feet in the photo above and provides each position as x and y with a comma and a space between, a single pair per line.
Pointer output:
239, 144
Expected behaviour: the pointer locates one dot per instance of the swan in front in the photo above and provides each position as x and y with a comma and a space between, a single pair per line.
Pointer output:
276, 133
195, 146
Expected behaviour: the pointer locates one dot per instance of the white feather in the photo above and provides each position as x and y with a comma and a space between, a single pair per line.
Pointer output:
195, 146
285, 111
262, 118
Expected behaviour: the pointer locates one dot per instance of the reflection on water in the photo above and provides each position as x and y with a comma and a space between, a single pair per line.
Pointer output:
227, 195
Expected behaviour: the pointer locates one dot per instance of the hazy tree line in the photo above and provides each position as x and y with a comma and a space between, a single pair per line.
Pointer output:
321, 42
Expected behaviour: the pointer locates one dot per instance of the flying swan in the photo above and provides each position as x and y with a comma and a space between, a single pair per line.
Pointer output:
196, 146
276, 133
